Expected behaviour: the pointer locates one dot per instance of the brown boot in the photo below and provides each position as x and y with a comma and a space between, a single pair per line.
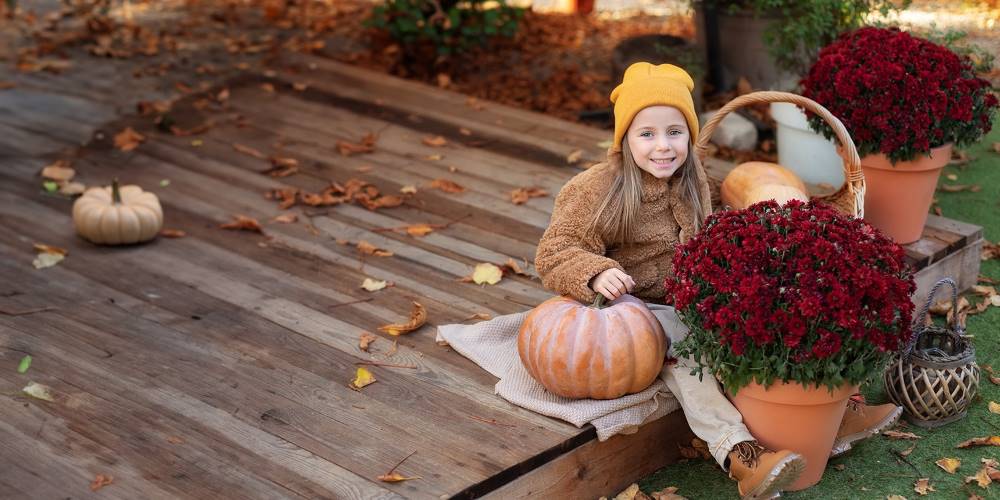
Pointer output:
763, 473
862, 421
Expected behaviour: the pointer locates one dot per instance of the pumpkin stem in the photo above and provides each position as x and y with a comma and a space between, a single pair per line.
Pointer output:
598, 302
116, 196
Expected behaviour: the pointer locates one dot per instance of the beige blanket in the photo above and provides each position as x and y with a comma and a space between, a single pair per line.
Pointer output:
493, 345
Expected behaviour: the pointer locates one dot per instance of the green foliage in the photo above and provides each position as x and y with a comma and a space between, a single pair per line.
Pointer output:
955, 40
450, 25
805, 26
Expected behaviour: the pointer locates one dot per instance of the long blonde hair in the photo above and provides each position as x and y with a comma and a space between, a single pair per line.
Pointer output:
615, 219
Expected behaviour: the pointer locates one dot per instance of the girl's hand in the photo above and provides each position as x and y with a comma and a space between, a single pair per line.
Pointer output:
612, 283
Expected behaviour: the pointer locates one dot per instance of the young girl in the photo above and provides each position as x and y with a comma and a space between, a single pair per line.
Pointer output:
613, 231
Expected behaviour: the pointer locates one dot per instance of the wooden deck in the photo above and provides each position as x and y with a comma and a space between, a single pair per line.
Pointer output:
218, 364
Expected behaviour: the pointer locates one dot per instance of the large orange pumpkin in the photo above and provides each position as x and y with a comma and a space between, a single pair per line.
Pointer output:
580, 351
756, 181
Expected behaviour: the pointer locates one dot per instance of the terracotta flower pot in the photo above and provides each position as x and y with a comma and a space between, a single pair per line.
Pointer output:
789, 416
898, 196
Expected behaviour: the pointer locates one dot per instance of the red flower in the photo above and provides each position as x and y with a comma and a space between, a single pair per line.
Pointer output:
788, 291
898, 94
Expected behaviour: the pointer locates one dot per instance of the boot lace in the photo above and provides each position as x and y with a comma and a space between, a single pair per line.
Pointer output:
748, 452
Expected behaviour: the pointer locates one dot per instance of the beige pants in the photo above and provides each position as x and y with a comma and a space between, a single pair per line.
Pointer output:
709, 413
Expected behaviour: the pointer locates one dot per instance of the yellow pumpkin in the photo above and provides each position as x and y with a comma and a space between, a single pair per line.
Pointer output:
756, 181
580, 351
117, 215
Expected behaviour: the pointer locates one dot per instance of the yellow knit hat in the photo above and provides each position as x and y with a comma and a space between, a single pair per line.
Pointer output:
647, 85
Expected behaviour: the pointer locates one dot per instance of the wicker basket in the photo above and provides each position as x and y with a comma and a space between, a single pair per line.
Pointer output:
850, 198
935, 377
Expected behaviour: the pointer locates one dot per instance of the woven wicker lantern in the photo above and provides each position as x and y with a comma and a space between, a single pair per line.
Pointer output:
935, 377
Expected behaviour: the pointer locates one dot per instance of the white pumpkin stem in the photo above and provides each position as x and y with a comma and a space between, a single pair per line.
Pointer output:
116, 196
598, 302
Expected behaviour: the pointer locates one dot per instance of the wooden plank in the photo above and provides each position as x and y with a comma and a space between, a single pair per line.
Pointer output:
601, 468
961, 265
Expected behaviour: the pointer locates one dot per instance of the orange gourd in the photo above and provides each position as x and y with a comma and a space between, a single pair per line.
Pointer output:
580, 351
756, 181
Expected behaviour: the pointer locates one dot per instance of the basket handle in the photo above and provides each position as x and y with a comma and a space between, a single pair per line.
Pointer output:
853, 177
956, 331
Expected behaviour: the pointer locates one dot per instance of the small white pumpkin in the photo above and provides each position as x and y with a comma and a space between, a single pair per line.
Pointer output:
116, 216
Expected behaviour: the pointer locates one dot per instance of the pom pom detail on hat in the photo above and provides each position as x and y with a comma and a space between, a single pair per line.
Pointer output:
645, 85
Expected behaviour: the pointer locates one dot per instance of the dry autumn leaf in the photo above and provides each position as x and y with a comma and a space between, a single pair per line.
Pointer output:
38, 391
900, 435
446, 186
923, 486
365, 341
668, 493
395, 477
950, 465
435, 141
368, 249
72, 188
487, 273
247, 150
982, 477
464, 131
128, 139
980, 441
895, 497
286, 218
520, 196
59, 171
172, 233
43, 248
434, 157
366, 145
418, 316
995, 380
101, 481
408, 190
419, 230
479, 316
955, 188
373, 285
243, 223
574, 156
362, 378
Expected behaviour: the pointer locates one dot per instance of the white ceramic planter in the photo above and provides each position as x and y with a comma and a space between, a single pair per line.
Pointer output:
810, 155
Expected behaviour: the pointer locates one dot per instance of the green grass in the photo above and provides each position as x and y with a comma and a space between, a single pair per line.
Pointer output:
871, 469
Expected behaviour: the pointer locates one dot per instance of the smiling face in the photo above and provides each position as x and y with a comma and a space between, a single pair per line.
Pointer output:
659, 138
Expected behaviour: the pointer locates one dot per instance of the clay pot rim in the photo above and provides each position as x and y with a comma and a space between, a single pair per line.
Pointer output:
794, 393
919, 163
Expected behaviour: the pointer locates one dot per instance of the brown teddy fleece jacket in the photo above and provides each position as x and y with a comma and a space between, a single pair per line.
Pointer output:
569, 255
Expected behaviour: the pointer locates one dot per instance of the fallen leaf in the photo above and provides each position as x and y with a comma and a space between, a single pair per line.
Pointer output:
369, 249
364, 169
24, 364
146, 108
187, 132
362, 378
59, 171
574, 156
480, 316
46, 259
222, 95
995, 380
366, 145
267, 87
43, 248
629, 493
840, 466
408, 190
464, 131
365, 340
395, 477
434, 157
487, 273
172, 233
900, 435
698, 449
950, 465
955, 188
72, 188
301, 87
474, 103
895, 497
435, 141
247, 150
244, 223
128, 139
373, 285
282, 167
418, 316
101, 481
982, 477
980, 441
923, 486
38, 391
952, 177
50, 186
443, 80
419, 230
286, 218
521, 195
994, 407
906, 452
446, 186
668, 493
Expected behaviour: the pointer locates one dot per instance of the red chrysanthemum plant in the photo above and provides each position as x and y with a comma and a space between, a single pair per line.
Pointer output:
898, 94
793, 293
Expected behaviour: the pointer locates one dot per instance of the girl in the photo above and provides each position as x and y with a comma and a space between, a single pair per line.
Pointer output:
613, 231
